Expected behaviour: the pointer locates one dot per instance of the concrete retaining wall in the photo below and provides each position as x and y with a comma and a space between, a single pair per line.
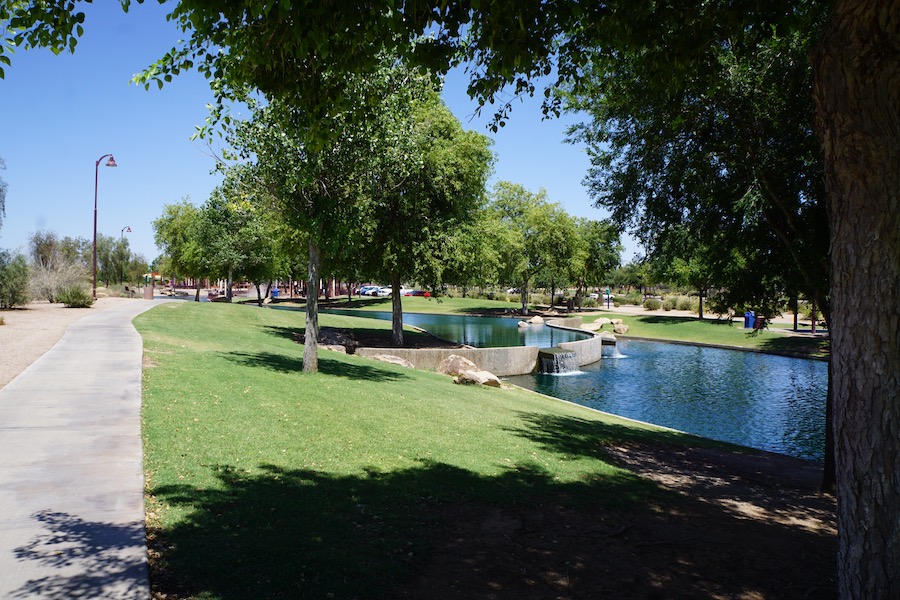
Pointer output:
588, 351
503, 362
517, 360
568, 322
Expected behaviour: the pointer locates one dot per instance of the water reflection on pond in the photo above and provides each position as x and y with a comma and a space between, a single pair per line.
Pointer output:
763, 401
481, 332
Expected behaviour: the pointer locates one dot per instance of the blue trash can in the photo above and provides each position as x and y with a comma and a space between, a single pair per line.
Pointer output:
274, 292
749, 319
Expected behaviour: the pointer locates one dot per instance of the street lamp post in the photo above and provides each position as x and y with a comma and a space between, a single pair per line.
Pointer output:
110, 163
126, 229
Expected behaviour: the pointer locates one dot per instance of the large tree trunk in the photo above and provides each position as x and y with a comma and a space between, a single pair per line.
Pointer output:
857, 91
396, 311
311, 337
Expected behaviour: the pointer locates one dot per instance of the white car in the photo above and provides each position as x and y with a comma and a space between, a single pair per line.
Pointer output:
367, 290
382, 291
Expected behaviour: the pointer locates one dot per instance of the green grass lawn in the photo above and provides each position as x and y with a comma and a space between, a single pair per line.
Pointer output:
724, 333
263, 481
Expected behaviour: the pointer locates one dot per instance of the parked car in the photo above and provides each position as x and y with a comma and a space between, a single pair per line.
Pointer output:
382, 291
425, 293
367, 290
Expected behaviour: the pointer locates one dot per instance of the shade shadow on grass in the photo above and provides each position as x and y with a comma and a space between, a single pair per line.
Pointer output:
574, 436
292, 364
297, 533
798, 346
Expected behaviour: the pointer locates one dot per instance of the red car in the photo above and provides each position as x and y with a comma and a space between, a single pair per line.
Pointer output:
425, 293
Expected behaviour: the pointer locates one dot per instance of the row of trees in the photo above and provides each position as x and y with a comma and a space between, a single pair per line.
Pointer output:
514, 238
307, 54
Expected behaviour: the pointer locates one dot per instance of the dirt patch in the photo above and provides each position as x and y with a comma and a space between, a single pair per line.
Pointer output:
742, 526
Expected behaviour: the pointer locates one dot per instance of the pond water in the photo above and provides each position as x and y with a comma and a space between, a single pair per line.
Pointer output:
762, 401
480, 332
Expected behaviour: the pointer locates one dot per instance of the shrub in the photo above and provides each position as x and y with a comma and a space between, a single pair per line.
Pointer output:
49, 277
635, 298
13, 280
688, 303
652, 304
2, 321
75, 296
589, 303
669, 303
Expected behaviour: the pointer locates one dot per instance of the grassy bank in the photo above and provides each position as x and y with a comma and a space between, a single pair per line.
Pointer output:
723, 333
264, 481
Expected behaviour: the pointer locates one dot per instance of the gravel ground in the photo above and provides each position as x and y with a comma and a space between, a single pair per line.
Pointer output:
30, 331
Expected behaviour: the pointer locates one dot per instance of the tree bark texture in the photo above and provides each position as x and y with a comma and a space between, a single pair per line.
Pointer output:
396, 310
856, 70
311, 337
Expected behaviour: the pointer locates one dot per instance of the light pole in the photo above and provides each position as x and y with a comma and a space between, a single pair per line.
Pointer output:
125, 230
110, 163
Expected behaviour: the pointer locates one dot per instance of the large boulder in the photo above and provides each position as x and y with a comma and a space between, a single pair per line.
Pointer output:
616, 321
455, 364
595, 326
603, 321
394, 360
620, 328
477, 378
537, 320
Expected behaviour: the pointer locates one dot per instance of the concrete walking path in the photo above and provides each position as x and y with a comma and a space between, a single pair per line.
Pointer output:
71, 473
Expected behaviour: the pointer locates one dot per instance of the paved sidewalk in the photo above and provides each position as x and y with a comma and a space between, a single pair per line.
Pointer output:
71, 479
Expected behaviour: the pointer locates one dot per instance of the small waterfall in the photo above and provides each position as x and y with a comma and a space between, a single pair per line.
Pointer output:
557, 361
612, 351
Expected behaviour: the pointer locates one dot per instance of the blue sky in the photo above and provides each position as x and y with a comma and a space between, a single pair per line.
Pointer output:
59, 114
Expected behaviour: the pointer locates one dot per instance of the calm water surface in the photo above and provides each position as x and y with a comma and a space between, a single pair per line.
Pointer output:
763, 401
481, 332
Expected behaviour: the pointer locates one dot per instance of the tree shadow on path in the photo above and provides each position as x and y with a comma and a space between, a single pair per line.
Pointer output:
87, 559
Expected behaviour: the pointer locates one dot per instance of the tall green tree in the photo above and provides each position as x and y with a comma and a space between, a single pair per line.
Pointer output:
725, 158
176, 233
318, 189
237, 231
428, 183
601, 253
545, 236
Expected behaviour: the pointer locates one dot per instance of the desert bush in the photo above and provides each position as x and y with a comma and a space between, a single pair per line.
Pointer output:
670, 303
688, 303
75, 296
635, 298
13, 280
540, 299
652, 304
589, 303
49, 277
